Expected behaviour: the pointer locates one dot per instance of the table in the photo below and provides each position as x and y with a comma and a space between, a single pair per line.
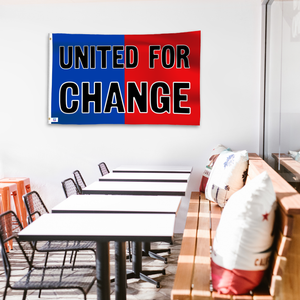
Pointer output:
119, 204
139, 188
290, 170
136, 188
125, 204
153, 169
108, 227
150, 177
288, 162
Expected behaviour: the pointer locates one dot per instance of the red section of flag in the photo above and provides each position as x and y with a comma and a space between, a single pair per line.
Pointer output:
168, 66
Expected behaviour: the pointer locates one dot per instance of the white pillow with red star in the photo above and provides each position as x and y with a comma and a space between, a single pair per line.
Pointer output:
228, 175
243, 242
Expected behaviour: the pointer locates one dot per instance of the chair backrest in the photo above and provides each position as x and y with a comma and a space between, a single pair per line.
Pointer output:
103, 168
79, 180
10, 226
34, 205
70, 188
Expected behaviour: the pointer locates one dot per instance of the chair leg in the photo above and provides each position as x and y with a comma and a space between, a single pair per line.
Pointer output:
63, 264
75, 255
45, 264
24, 295
46, 259
71, 256
5, 291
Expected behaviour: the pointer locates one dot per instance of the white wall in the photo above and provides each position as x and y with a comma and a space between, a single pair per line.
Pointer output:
230, 92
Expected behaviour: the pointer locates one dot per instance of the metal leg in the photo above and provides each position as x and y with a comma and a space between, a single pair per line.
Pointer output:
129, 251
137, 265
103, 271
120, 270
152, 253
24, 295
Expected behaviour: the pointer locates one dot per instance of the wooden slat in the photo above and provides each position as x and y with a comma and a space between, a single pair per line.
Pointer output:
242, 297
276, 283
217, 296
282, 244
183, 278
290, 288
201, 278
279, 263
284, 222
216, 212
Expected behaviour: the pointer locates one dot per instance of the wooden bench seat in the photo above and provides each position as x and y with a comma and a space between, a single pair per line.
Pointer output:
282, 279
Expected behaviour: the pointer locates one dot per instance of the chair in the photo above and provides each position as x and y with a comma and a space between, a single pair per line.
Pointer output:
103, 168
37, 278
35, 208
70, 188
23, 187
79, 180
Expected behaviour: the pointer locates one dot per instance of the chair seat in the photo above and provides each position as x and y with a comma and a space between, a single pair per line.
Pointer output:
81, 277
67, 246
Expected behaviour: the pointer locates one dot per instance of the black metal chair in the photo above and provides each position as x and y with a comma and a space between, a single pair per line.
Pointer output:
38, 278
35, 208
70, 188
103, 168
79, 180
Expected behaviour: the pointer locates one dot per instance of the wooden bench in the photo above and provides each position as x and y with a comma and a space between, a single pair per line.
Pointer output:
282, 279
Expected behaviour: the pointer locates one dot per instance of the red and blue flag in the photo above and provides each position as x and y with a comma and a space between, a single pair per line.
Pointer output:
125, 79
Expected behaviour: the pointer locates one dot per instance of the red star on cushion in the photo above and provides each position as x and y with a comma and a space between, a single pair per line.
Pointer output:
265, 216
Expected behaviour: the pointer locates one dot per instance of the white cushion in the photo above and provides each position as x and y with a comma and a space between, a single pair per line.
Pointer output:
242, 245
228, 175
295, 155
209, 165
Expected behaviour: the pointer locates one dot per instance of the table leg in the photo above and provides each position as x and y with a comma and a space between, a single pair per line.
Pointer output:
137, 258
103, 271
137, 265
120, 270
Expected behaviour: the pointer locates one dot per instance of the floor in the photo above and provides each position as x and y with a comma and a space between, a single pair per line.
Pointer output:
137, 289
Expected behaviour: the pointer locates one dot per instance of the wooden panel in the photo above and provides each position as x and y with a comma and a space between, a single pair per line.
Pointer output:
242, 297
183, 278
218, 296
290, 288
279, 264
201, 278
275, 286
284, 222
282, 244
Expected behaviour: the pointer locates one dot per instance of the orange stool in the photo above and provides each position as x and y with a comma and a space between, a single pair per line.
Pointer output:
7, 190
23, 186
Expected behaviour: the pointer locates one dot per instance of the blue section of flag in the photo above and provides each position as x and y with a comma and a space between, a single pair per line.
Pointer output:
90, 75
